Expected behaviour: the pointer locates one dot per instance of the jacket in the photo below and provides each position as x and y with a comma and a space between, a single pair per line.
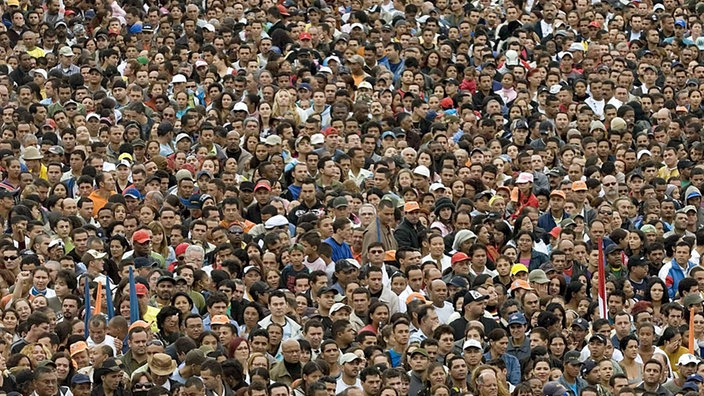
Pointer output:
278, 373
295, 327
579, 383
377, 232
672, 274
513, 367
406, 234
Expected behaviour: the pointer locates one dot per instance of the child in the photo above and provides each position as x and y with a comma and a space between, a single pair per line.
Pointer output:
295, 267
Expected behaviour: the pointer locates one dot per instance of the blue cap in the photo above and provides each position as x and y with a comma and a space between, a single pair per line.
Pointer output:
305, 86
680, 23
80, 379
690, 386
517, 318
132, 192
694, 194
136, 28
388, 133
695, 378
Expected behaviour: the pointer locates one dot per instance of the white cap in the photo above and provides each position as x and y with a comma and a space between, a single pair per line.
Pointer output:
241, 106
338, 306
643, 152
125, 163
512, 58
179, 78
209, 27
365, 84
576, 47
471, 343
318, 138
183, 136
41, 72
686, 359
349, 357
422, 170
437, 186
325, 69
276, 221
524, 177
200, 63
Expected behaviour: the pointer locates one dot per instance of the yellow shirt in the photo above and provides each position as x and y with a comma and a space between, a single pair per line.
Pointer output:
150, 317
37, 53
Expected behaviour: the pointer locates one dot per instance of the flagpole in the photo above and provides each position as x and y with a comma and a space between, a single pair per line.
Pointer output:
603, 312
134, 304
86, 290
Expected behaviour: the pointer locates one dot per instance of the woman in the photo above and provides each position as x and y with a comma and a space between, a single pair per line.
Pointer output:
36, 353
23, 309
632, 369
656, 294
498, 343
576, 292
484, 236
557, 346
310, 374
222, 105
141, 384
210, 340
159, 242
183, 302
434, 375
239, 350
636, 242
378, 315
12, 178
671, 343
526, 254
167, 320
266, 122
250, 319
9, 323
444, 210
284, 107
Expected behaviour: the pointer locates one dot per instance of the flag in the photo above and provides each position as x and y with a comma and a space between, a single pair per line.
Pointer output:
108, 296
691, 330
603, 312
98, 299
134, 304
86, 296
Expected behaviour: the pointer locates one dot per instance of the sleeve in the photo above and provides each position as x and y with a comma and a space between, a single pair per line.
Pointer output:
403, 237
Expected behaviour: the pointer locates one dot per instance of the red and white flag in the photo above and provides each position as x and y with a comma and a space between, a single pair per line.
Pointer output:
602, 281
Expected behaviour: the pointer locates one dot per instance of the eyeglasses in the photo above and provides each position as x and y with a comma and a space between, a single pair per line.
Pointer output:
376, 251
609, 184
143, 386
606, 213
155, 342
10, 258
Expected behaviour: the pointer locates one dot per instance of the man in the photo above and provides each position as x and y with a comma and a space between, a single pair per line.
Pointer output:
556, 213
677, 269
111, 376
473, 308
438, 296
136, 356
106, 188
212, 375
518, 343
686, 366
278, 307
350, 369
427, 322
381, 229
487, 383
651, 379
407, 232
342, 232
570, 378
97, 328
38, 323
45, 382
289, 368
81, 385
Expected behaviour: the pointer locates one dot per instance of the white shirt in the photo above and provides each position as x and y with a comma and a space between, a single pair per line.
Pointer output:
109, 341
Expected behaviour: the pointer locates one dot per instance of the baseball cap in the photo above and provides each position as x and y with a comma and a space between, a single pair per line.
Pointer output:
141, 236
516, 268
573, 358
471, 343
517, 318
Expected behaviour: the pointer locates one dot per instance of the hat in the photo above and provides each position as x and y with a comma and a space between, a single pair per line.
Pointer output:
411, 206
109, 366
262, 184
422, 170
612, 249
687, 209
512, 58
78, 379
579, 186
471, 343
547, 267
690, 386
78, 347
520, 284
419, 351
276, 221
357, 59
162, 364
195, 356
599, 338
178, 79
32, 153
459, 281
340, 202
247, 186
201, 63
558, 193
166, 278
415, 297
219, 320
687, 359
324, 290
184, 174
581, 323
66, 51
692, 299
317, 138
554, 388
141, 290
695, 378
524, 177
272, 140
349, 357
131, 192
437, 186
388, 134
474, 296
365, 85
684, 164
618, 124
338, 306
587, 367
517, 318
572, 357
596, 125
141, 236
251, 268
96, 255
516, 268
458, 257
258, 288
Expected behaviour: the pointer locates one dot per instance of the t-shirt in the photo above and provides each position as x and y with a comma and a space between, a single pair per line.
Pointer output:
288, 276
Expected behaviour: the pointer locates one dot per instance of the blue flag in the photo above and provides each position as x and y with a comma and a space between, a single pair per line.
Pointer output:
134, 304
108, 296
87, 304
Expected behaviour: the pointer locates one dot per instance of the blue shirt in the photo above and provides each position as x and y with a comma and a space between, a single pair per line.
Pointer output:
339, 250
513, 367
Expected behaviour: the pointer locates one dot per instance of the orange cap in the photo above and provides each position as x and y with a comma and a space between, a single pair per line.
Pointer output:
410, 206
579, 186
520, 284
390, 255
219, 320
558, 193
415, 296
78, 347
139, 323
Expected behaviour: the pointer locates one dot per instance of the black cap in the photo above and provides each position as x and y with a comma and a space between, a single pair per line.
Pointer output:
259, 288
324, 290
166, 278
247, 186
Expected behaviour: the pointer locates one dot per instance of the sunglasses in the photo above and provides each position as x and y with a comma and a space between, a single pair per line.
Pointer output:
10, 258
143, 386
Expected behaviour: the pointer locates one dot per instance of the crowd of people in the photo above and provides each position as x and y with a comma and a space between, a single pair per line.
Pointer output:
353, 198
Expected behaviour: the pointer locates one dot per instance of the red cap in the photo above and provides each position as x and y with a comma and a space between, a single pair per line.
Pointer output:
330, 131
141, 289
555, 232
262, 184
595, 24
283, 10
305, 36
50, 122
447, 103
459, 256
141, 236
181, 249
